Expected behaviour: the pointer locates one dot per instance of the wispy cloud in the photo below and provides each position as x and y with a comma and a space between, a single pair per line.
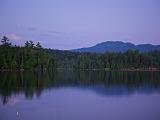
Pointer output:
14, 36
43, 32
50, 33
15, 39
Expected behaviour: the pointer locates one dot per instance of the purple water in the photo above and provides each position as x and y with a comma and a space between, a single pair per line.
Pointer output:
64, 99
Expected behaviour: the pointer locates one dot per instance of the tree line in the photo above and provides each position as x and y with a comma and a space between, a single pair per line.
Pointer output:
130, 59
31, 56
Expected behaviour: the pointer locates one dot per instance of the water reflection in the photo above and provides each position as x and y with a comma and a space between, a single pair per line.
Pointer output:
102, 82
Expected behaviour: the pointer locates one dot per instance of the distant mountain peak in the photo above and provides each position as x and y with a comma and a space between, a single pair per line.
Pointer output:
118, 46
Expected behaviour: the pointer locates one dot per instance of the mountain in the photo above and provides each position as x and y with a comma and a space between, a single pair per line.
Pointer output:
118, 46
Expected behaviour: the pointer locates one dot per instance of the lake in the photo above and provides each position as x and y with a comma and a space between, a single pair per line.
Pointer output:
80, 95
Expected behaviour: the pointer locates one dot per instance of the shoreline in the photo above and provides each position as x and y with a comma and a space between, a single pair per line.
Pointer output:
104, 69
19, 70
122, 69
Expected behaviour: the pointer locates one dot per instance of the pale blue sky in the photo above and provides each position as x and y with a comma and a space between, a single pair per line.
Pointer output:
68, 24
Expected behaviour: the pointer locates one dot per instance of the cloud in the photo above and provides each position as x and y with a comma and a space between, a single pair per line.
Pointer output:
14, 37
43, 32
54, 32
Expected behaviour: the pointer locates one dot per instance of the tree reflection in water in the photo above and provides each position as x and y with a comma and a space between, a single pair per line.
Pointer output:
103, 82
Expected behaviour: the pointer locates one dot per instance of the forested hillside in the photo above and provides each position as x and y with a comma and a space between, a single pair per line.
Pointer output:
34, 57
109, 60
118, 46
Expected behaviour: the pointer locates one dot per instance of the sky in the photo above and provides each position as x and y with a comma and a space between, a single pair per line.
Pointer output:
70, 24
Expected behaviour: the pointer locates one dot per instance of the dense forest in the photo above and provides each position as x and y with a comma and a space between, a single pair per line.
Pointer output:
34, 57
129, 60
29, 57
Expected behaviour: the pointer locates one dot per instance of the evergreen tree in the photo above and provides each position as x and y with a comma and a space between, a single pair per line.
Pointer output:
38, 45
5, 41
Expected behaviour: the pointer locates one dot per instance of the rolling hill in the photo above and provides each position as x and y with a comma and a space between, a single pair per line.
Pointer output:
118, 46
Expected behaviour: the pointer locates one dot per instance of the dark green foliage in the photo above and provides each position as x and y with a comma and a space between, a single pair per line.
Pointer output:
5, 41
29, 57
126, 60
32, 84
35, 57
29, 44
38, 45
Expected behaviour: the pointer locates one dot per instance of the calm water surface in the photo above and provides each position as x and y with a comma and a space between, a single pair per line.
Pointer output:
80, 95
